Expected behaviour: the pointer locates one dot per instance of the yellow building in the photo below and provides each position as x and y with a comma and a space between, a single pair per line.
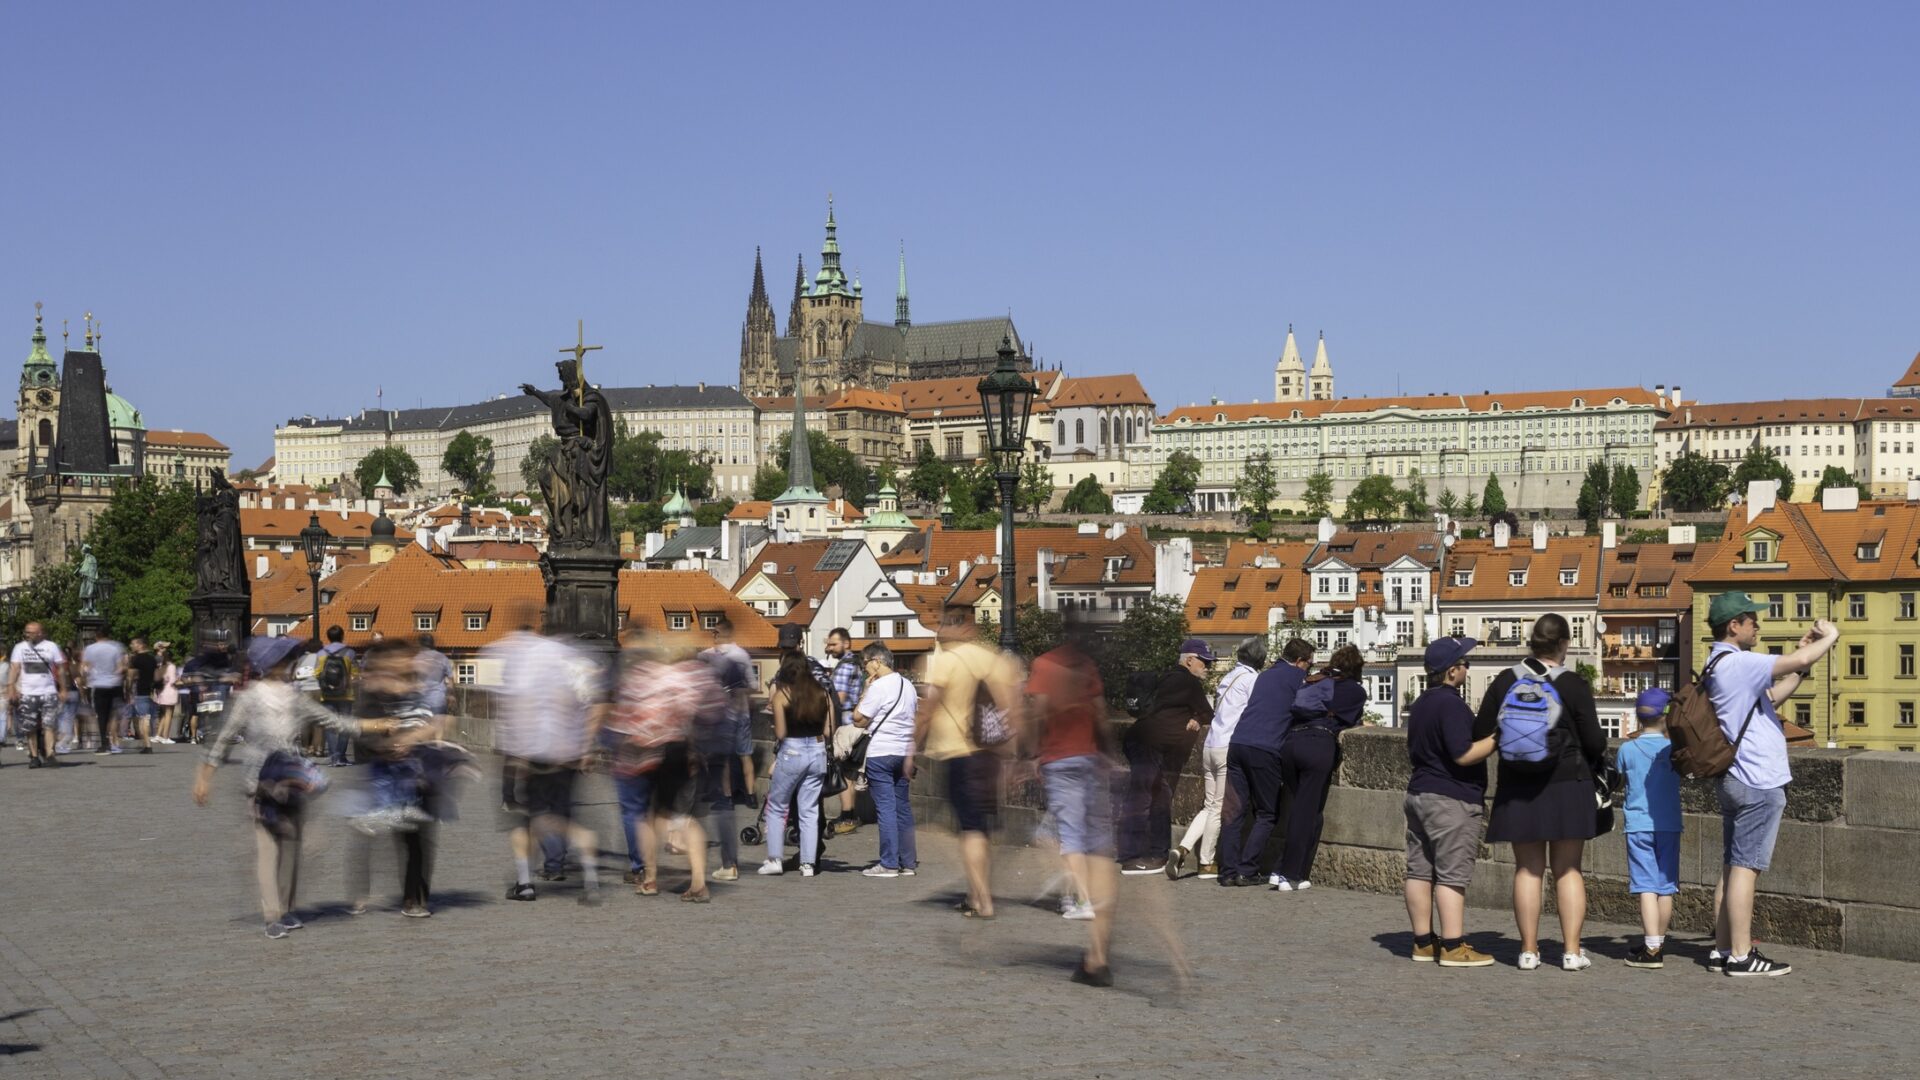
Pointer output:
1855, 563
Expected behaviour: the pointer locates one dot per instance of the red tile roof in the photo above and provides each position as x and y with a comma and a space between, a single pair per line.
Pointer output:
957, 397
192, 440
1790, 411
1234, 600
1912, 377
1101, 390
1492, 566
1470, 403
271, 526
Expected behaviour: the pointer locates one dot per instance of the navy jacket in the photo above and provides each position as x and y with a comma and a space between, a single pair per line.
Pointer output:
1269, 712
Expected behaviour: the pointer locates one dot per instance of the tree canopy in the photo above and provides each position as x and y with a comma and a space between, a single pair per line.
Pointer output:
1319, 495
1492, 499
1173, 489
469, 459
1625, 492
539, 452
1087, 497
394, 463
1761, 463
1413, 498
1257, 488
1833, 476
1694, 482
1036, 487
928, 480
833, 465
1373, 498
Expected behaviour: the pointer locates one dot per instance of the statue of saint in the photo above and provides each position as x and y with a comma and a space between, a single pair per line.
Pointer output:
219, 565
575, 481
89, 581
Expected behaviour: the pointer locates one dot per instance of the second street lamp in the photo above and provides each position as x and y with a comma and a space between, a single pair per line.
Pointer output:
313, 541
1006, 400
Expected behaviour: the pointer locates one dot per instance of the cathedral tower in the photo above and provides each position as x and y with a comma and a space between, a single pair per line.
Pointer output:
1320, 379
758, 374
1290, 374
830, 313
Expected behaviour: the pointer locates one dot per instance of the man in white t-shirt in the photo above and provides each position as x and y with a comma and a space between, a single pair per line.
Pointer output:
36, 671
886, 713
1746, 688
103, 665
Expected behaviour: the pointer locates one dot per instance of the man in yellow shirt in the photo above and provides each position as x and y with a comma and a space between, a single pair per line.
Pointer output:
964, 678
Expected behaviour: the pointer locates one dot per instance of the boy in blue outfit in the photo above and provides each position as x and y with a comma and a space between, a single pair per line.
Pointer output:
1653, 823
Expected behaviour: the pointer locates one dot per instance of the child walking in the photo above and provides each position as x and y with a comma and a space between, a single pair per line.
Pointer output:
1653, 824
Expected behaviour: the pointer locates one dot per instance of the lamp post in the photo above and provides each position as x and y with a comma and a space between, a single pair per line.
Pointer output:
1006, 399
313, 539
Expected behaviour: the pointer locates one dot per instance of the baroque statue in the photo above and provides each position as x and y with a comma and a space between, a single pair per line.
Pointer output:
89, 581
574, 482
219, 565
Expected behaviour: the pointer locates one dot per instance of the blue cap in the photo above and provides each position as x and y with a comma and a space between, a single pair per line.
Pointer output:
1445, 652
1198, 648
1651, 704
266, 653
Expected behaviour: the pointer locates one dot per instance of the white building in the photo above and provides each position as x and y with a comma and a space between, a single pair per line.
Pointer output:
1873, 439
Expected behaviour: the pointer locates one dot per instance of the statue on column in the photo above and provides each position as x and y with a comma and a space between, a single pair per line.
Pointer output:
219, 566
89, 581
574, 483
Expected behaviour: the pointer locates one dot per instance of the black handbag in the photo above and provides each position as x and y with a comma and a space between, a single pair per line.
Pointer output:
1607, 782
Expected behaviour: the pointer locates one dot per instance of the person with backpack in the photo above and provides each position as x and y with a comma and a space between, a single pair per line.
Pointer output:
1745, 688
1252, 800
1328, 704
338, 666
1550, 746
36, 670
1203, 833
1652, 805
1157, 747
847, 681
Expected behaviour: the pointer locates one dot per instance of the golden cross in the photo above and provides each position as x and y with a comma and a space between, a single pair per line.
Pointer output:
580, 349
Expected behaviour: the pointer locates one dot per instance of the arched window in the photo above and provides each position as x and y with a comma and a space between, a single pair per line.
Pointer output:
1079, 432
46, 433
1129, 429
1103, 431
820, 340
1060, 432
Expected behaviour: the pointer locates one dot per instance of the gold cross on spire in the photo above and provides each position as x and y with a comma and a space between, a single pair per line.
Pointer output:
580, 349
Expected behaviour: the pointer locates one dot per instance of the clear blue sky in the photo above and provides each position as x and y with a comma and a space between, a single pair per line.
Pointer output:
276, 208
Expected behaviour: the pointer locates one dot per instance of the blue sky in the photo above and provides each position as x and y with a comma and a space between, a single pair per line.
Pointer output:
275, 209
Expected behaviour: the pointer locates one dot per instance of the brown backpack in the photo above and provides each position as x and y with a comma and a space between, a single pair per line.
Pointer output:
1700, 746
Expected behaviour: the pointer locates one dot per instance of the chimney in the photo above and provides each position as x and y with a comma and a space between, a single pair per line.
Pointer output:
259, 566
1539, 536
1675, 400
1660, 389
1913, 491
1502, 535
1609, 535
655, 541
1682, 534
1840, 499
726, 535
626, 540
1116, 530
1326, 529
1043, 579
1760, 497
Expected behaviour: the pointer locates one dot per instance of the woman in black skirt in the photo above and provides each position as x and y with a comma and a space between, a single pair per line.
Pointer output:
1546, 809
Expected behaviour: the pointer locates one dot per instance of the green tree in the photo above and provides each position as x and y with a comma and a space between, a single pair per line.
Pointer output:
928, 480
1833, 476
1693, 482
690, 471
1319, 496
1148, 639
1257, 488
50, 597
144, 540
1625, 491
1493, 500
1601, 478
469, 459
1469, 505
534, 465
1589, 503
769, 480
973, 490
1173, 489
833, 465
1087, 497
888, 474
1373, 498
1413, 500
1038, 631
1448, 503
641, 518
1762, 464
710, 514
394, 463
1036, 487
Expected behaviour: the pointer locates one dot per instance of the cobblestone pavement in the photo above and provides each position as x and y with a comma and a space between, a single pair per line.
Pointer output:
130, 946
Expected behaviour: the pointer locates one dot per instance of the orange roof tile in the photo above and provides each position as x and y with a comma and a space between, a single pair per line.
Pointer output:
1638, 567
957, 397
750, 510
865, 400
1798, 553
269, 526
191, 440
1789, 411
1101, 390
1912, 377
472, 551
794, 573
1234, 600
1491, 567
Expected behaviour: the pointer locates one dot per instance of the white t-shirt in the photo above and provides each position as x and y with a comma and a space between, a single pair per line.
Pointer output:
1737, 682
541, 705
102, 661
890, 701
1235, 688
36, 667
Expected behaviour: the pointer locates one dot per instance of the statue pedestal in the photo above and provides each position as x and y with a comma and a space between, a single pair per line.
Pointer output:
582, 598
88, 627
229, 612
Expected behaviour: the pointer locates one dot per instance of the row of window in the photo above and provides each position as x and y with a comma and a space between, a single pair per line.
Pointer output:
1905, 603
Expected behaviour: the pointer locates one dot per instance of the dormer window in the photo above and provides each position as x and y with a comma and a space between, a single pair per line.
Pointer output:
1759, 550
1207, 611
1569, 577
1867, 552
1242, 611
1517, 578
679, 620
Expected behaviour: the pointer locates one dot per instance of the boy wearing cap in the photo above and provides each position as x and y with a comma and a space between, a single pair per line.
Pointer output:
1445, 807
1653, 823
1157, 748
1746, 687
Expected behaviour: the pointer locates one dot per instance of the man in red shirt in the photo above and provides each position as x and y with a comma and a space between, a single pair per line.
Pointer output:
1074, 756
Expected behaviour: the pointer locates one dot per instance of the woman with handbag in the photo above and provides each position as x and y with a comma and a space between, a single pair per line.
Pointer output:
885, 717
801, 715
166, 692
1544, 801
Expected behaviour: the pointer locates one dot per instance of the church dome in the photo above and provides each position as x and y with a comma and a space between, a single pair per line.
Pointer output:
121, 415
382, 527
678, 506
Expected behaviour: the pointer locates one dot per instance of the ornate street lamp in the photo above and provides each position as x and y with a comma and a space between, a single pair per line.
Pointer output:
1006, 399
313, 541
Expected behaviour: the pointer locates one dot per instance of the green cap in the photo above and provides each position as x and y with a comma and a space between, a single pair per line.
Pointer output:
1729, 606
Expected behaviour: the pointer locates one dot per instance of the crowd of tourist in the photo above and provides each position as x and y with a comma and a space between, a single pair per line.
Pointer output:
673, 727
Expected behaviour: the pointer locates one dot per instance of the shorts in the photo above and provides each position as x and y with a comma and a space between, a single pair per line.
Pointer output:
34, 713
743, 735
143, 707
1080, 798
1443, 838
1749, 822
532, 789
1653, 863
973, 789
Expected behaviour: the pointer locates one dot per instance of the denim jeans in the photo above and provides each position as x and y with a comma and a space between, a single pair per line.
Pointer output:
337, 740
636, 797
720, 808
887, 783
799, 772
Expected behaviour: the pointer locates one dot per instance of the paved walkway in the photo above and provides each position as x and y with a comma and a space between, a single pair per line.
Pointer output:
129, 946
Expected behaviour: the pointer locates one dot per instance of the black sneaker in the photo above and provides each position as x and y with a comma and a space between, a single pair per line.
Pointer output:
1756, 965
520, 892
1644, 957
1716, 961
1102, 977
1248, 882
1227, 880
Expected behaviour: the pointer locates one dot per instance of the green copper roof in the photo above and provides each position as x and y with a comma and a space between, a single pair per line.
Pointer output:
121, 414
38, 357
831, 280
383, 482
799, 452
678, 506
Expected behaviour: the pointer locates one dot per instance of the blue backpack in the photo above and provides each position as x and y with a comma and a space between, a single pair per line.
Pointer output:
1529, 715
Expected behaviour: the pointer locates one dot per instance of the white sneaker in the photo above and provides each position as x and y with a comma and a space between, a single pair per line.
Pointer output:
1079, 913
806, 869
876, 870
1575, 961
1280, 884
908, 871
1529, 961
1302, 886
771, 868
1068, 903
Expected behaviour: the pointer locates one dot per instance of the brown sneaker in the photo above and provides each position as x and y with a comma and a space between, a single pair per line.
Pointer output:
1210, 871
1464, 956
1426, 954
845, 825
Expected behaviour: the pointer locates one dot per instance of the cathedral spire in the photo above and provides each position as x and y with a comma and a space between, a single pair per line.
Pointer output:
800, 487
799, 290
759, 294
901, 317
1290, 374
831, 279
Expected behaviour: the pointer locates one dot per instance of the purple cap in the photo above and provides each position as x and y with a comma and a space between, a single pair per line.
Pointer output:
1445, 652
1652, 703
1198, 648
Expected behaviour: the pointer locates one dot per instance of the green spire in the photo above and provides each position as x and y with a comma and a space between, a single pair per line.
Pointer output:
901, 318
38, 358
799, 456
831, 279
679, 506
383, 482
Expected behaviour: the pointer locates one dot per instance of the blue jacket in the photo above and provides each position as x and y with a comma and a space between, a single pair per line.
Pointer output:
1269, 712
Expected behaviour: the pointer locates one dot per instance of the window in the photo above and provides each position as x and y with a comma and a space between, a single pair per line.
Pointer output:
1803, 605
1759, 551
1906, 714
361, 622
708, 622
1207, 611
423, 623
1856, 661
1856, 713
1403, 633
1242, 611
873, 628
1776, 606
476, 622
1906, 660
1867, 552
1462, 578
1857, 605
1569, 577
1619, 590
1517, 578
466, 673
679, 620
1803, 714
1320, 640
1457, 626
1906, 605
